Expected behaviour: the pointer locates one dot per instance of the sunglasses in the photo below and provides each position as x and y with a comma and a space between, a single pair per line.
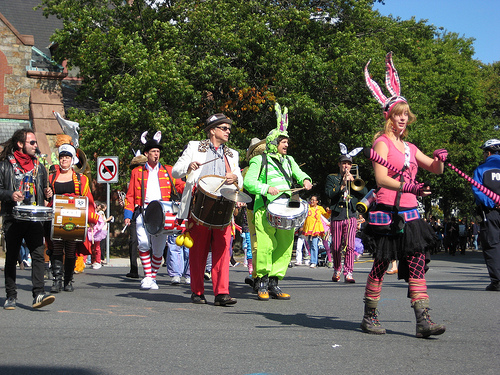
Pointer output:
224, 128
32, 143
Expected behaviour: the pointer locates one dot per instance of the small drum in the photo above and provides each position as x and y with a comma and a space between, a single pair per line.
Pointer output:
32, 213
281, 216
209, 208
160, 217
70, 218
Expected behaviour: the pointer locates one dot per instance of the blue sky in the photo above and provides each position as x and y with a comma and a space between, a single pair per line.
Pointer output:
479, 19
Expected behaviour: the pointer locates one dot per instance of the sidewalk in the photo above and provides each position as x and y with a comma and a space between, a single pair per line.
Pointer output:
113, 262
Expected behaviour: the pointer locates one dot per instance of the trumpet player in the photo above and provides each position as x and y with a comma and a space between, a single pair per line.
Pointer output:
344, 193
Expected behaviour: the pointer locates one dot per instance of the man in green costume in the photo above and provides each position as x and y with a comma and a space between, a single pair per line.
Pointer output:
269, 177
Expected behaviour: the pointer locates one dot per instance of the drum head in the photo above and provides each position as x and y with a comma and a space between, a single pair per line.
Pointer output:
154, 218
212, 184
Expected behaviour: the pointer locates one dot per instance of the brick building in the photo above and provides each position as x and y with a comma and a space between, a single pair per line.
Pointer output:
31, 84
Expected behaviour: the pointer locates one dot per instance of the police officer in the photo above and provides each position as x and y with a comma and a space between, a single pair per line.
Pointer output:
488, 174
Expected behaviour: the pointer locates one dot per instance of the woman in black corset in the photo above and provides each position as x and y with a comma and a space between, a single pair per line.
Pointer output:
68, 182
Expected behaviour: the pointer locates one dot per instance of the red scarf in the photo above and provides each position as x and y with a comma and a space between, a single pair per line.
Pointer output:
24, 160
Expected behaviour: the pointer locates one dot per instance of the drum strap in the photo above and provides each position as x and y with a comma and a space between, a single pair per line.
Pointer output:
173, 192
287, 177
142, 191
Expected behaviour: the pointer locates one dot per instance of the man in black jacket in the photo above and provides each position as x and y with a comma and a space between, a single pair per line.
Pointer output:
23, 182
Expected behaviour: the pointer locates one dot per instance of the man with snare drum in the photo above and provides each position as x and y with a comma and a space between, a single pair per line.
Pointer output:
23, 182
148, 183
269, 177
201, 162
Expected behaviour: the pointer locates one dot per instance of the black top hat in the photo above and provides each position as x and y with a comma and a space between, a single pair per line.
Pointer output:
152, 143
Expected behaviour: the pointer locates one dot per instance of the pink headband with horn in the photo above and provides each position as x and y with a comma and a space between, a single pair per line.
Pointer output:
392, 84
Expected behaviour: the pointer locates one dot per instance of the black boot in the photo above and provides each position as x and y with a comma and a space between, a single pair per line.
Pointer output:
69, 269
263, 291
274, 289
425, 326
256, 283
370, 323
57, 273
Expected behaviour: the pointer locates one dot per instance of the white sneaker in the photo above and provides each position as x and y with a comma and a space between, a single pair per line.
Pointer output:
312, 265
307, 262
188, 280
147, 282
154, 285
298, 263
96, 266
176, 280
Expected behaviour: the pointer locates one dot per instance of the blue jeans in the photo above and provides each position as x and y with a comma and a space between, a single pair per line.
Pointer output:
177, 259
313, 241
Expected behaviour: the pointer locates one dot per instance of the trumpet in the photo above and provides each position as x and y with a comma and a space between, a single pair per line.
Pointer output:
357, 184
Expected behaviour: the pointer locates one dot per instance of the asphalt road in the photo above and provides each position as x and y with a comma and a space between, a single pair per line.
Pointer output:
109, 326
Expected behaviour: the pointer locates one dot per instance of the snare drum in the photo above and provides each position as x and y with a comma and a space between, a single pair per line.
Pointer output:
70, 218
281, 216
209, 207
160, 217
32, 213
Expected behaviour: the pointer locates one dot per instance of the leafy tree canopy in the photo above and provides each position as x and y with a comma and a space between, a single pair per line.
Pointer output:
167, 65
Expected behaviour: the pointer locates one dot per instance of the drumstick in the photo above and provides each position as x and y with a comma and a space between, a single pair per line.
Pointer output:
294, 190
222, 183
209, 161
125, 227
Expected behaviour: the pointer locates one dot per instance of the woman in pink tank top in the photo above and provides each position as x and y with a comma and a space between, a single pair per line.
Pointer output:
395, 229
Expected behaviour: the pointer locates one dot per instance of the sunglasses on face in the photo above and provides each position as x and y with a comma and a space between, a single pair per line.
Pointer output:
224, 128
32, 142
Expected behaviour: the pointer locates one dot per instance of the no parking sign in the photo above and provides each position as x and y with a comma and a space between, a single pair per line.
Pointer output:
107, 169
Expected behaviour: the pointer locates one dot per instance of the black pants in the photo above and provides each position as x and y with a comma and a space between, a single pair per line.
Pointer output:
490, 241
132, 247
32, 232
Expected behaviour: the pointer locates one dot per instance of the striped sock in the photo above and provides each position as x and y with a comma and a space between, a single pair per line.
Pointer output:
417, 289
373, 289
146, 262
155, 266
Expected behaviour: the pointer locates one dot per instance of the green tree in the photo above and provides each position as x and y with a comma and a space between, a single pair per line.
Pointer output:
166, 66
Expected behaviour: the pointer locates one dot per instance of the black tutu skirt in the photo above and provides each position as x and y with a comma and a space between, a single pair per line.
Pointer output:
417, 237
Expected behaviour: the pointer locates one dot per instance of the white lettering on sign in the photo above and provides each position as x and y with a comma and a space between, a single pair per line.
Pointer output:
495, 176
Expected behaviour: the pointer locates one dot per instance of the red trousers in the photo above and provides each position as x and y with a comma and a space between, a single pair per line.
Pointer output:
204, 240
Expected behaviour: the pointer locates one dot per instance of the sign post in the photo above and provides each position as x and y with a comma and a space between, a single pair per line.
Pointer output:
107, 173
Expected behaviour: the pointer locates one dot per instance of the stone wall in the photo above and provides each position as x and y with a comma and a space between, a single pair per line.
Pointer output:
14, 83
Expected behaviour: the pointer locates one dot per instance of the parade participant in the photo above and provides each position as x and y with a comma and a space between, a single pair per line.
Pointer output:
268, 175
137, 161
201, 158
313, 228
343, 220
67, 182
150, 182
23, 181
487, 174
395, 229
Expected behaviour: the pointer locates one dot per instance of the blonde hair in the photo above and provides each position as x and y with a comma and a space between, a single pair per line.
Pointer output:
398, 109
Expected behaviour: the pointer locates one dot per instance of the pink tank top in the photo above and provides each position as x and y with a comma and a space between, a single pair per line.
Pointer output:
397, 159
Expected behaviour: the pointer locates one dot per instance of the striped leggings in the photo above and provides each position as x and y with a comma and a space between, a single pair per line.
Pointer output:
416, 283
343, 234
